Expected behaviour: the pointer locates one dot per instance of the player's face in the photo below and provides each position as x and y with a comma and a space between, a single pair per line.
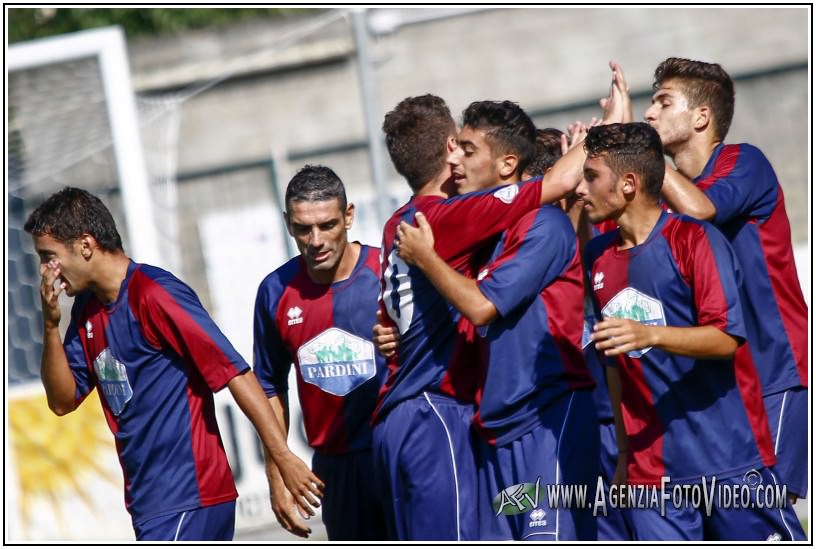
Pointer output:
67, 257
600, 191
670, 115
319, 229
473, 164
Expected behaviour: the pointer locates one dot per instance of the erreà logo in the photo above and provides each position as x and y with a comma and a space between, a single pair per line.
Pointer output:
597, 282
507, 194
294, 316
517, 499
89, 329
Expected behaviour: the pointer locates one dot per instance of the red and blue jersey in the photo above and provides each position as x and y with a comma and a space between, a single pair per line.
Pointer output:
325, 330
684, 417
743, 187
156, 357
438, 349
535, 281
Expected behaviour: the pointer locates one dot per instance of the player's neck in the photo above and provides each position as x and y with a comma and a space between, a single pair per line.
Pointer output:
691, 158
110, 271
440, 185
637, 223
344, 268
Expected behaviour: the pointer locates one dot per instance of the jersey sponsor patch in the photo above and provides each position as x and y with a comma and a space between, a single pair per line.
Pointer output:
113, 381
336, 361
634, 305
507, 194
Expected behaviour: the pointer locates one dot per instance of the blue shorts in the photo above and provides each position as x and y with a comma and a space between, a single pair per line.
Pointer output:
514, 478
788, 418
425, 465
761, 516
615, 525
351, 507
211, 523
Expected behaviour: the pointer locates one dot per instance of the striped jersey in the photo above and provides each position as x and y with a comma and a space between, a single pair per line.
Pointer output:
156, 357
325, 331
743, 187
684, 417
535, 281
438, 348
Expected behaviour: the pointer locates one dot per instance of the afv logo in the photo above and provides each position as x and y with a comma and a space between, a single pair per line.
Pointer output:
517, 499
634, 305
598, 281
507, 194
294, 316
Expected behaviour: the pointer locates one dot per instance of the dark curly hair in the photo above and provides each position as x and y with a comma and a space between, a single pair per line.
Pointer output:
68, 214
633, 147
507, 127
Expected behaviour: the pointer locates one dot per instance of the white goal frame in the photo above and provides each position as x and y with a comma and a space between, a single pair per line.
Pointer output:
108, 45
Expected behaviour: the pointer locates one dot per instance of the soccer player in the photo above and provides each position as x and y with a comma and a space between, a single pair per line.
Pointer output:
536, 417
142, 337
735, 187
316, 311
666, 288
422, 439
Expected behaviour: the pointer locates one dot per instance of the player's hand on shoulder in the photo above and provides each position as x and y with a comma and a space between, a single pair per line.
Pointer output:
415, 243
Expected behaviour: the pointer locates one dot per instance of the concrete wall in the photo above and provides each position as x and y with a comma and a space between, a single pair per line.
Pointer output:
284, 90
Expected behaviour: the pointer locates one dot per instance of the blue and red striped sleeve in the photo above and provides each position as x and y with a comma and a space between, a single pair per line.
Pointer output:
272, 360
709, 266
171, 315
535, 252
464, 222
75, 353
741, 183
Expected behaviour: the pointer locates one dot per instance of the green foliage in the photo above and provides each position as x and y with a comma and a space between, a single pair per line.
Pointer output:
29, 23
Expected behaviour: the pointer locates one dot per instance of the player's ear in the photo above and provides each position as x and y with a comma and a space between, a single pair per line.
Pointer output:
451, 144
701, 117
507, 165
349, 215
87, 243
630, 182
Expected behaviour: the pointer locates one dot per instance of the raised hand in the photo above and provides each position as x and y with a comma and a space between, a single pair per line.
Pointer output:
49, 293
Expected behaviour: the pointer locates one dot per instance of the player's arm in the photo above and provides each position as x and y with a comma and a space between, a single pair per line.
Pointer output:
567, 172
286, 509
57, 379
416, 248
615, 336
684, 197
301, 482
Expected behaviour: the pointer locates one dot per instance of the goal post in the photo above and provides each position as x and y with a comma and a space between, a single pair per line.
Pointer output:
108, 46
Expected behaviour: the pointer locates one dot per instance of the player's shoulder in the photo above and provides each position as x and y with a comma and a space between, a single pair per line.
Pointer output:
148, 280
276, 281
742, 152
